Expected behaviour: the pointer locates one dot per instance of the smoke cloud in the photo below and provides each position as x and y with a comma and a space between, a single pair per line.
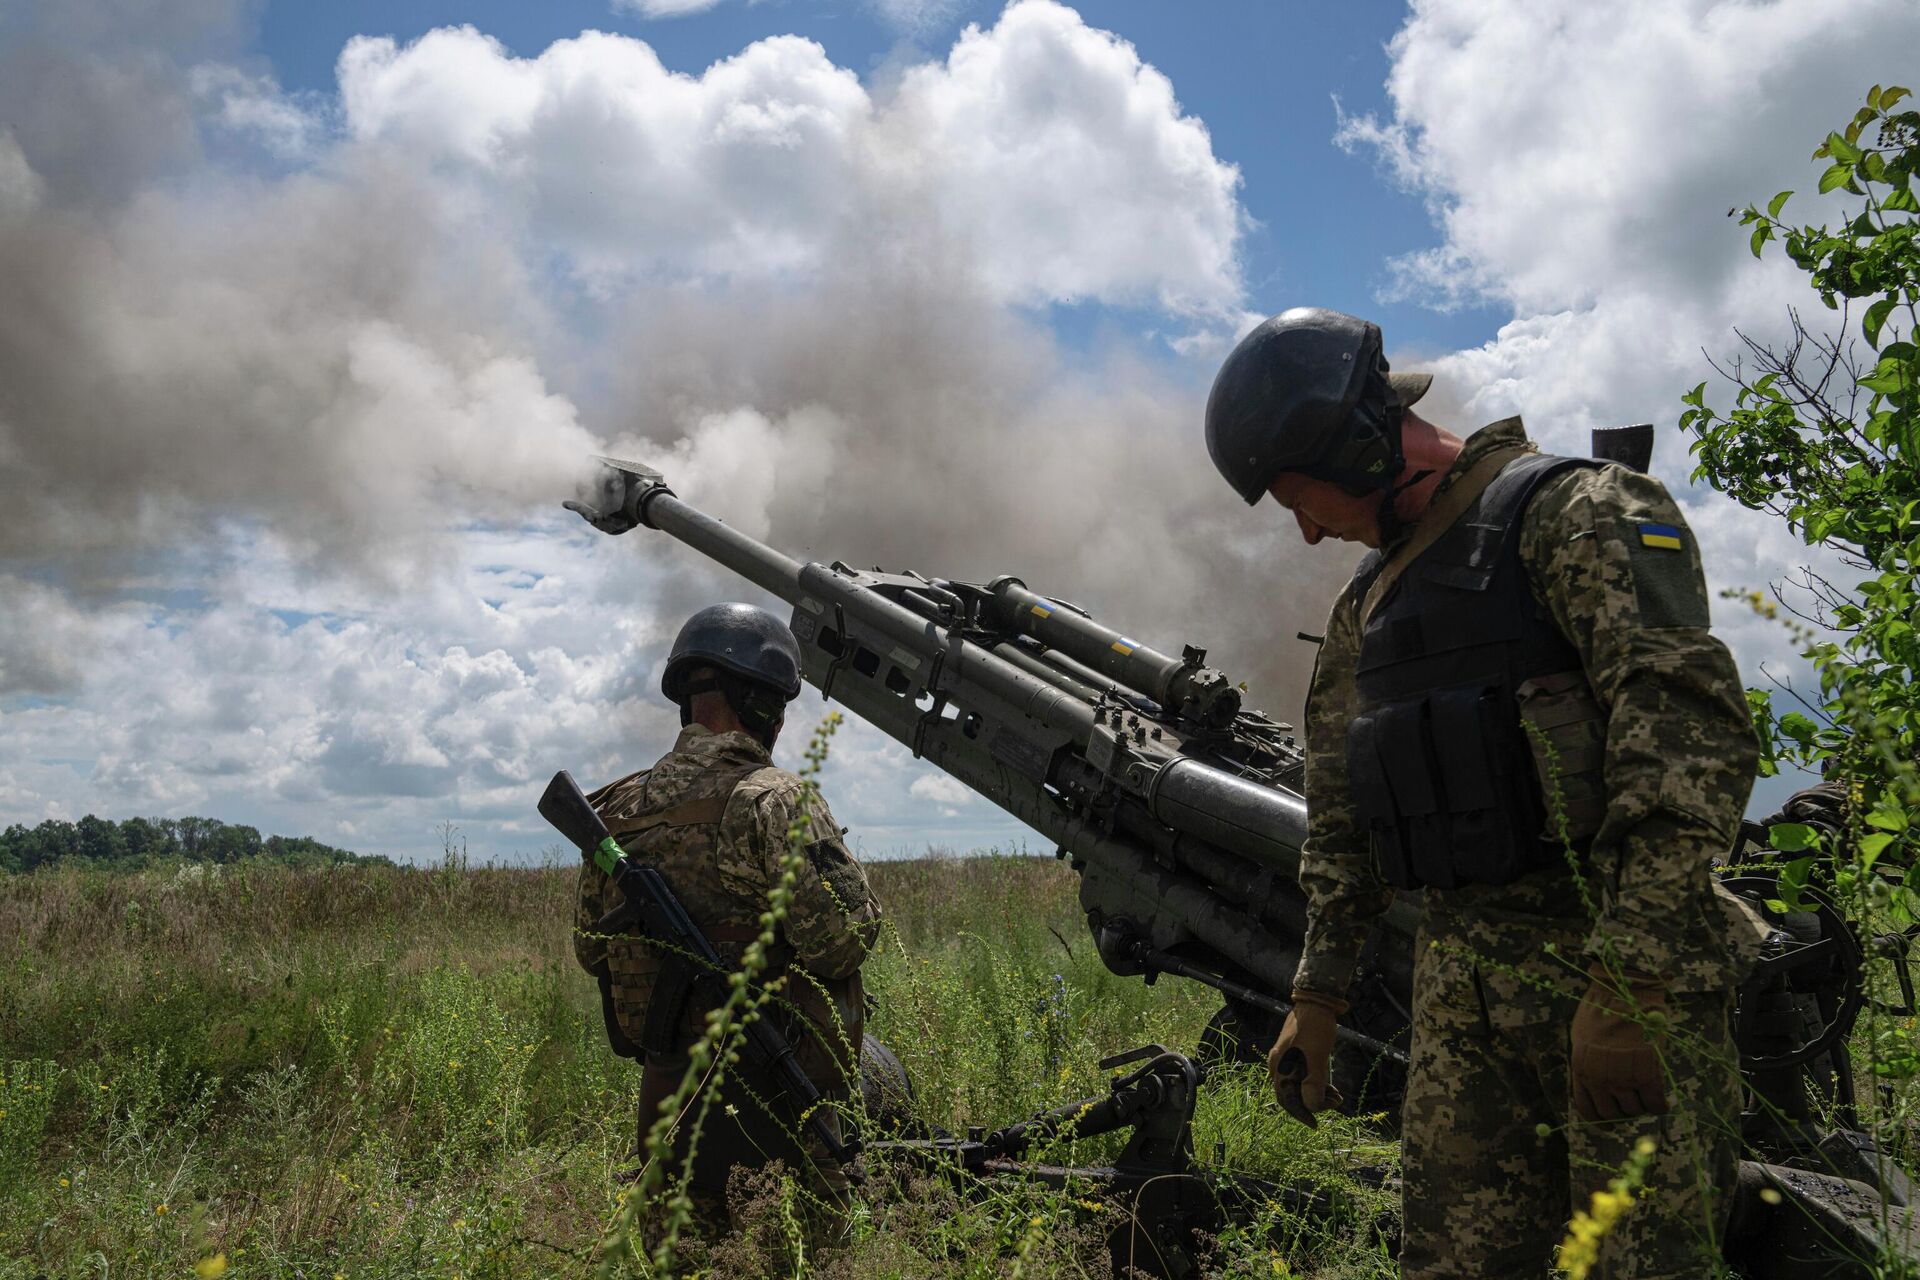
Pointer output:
289, 389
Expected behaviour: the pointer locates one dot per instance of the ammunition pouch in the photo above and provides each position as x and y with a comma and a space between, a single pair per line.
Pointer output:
1444, 785
662, 1034
616, 1035
1567, 736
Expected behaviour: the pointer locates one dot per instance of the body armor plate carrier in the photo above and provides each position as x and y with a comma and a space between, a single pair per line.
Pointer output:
1450, 787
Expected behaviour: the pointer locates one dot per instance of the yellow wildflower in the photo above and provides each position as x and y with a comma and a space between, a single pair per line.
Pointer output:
211, 1268
65, 1183
1580, 1251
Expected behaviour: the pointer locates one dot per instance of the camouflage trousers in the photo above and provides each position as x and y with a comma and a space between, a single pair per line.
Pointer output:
1495, 1161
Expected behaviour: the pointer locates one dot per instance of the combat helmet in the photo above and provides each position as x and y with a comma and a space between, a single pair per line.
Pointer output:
741, 651
1310, 391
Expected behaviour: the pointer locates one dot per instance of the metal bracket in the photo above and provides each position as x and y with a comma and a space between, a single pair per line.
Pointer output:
840, 659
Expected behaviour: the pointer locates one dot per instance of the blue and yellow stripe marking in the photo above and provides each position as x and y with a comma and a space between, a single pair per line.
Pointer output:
1041, 611
1124, 647
1664, 536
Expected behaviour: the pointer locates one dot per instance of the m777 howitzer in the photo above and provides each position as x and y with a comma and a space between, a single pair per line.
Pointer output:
1179, 808
1181, 811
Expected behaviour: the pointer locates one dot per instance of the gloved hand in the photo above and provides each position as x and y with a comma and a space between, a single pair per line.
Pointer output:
1300, 1058
1616, 1047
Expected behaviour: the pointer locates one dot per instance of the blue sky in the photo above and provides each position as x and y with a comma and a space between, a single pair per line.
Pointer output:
314, 311
1263, 76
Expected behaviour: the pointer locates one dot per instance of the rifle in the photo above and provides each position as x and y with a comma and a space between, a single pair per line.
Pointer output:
651, 904
1181, 811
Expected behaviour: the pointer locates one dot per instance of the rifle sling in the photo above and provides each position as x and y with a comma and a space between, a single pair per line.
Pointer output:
664, 1033
1438, 518
693, 813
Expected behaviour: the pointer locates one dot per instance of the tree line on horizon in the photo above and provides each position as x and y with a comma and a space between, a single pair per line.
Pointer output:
138, 843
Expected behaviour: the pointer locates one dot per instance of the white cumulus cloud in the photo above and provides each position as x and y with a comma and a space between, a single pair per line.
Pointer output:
1043, 150
1580, 161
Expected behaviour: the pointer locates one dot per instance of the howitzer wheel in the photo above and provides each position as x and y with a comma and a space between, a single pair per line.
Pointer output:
1236, 1033
886, 1092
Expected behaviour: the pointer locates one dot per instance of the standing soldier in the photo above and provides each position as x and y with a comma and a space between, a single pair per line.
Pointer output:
718, 819
1519, 710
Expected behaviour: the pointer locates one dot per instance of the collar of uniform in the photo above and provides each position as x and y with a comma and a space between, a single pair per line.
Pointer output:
698, 740
1504, 434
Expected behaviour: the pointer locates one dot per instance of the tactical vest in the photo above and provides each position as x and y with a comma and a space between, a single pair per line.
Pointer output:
1450, 787
646, 992
643, 990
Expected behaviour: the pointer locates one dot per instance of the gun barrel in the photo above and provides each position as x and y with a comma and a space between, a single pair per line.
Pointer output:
751, 559
821, 591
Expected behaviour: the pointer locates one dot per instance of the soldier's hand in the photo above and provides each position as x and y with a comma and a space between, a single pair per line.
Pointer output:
1617, 1037
1302, 1057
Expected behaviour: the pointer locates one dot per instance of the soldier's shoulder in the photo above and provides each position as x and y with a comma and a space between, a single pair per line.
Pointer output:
769, 780
770, 789
1587, 494
620, 795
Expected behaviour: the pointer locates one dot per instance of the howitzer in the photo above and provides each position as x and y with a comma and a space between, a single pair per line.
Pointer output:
650, 904
1179, 807
1181, 811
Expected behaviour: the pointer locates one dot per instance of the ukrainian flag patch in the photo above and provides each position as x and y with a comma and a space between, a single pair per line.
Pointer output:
1664, 536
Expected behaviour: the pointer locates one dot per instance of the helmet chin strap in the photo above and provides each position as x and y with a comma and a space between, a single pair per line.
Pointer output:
1388, 517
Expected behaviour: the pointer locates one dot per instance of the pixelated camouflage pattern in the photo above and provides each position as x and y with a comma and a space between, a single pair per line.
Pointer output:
1500, 969
724, 873
1680, 751
1494, 1161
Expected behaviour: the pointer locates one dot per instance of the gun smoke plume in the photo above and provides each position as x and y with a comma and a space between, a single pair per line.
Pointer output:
243, 324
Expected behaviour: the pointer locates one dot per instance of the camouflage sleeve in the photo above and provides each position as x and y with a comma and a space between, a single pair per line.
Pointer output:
1343, 893
834, 919
1612, 558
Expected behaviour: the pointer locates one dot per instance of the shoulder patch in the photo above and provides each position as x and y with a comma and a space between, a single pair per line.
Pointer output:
1668, 587
1664, 537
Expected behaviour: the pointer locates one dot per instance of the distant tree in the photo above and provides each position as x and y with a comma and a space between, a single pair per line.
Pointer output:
140, 842
98, 840
149, 839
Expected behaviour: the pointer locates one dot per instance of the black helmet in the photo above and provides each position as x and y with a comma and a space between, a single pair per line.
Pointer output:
747, 641
1309, 391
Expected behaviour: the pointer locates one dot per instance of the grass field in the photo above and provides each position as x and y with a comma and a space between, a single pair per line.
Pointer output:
371, 1072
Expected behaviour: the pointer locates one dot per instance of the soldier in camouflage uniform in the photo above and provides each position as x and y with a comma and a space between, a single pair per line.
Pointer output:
718, 819
1519, 711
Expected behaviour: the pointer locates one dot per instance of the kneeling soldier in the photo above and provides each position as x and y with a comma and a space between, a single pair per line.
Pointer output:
714, 816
